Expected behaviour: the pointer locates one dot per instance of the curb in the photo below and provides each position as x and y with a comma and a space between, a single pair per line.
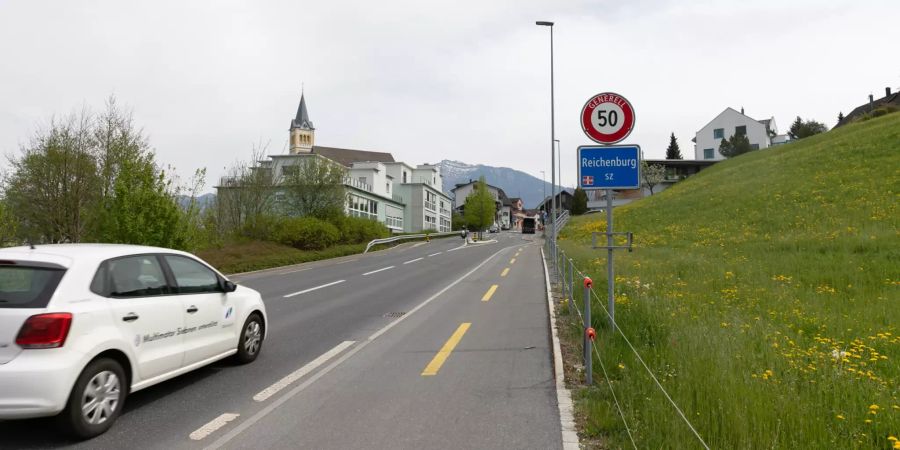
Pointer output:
563, 395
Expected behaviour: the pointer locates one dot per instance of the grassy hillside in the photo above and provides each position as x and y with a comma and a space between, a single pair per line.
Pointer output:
765, 294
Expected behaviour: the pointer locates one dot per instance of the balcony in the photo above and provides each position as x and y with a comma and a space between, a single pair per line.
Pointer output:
431, 206
352, 182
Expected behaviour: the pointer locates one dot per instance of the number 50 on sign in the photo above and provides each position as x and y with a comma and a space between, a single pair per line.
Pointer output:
607, 118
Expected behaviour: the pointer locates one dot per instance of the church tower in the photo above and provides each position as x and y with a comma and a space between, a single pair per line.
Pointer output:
303, 134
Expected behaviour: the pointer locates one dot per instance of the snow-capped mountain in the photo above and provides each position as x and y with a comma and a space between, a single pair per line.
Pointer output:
515, 183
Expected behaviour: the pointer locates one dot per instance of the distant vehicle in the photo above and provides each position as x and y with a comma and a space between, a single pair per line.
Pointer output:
82, 326
494, 228
528, 225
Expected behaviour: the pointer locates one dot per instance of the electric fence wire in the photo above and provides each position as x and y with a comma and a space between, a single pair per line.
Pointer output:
611, 390
638, 355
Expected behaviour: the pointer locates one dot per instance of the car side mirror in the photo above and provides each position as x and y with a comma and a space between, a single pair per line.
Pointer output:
229, 286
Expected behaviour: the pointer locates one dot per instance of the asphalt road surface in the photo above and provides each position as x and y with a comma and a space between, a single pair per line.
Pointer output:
427, 345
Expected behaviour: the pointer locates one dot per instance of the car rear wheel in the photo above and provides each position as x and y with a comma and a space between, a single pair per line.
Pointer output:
96, 400
251, 340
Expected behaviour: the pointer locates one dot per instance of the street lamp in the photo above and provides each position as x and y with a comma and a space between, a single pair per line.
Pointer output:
544, 186
559, 205
552, 140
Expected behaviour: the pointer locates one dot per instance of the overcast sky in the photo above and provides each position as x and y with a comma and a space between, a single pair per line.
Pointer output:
426, 81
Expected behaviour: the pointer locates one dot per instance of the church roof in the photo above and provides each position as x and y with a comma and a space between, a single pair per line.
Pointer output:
347, 156
302, 119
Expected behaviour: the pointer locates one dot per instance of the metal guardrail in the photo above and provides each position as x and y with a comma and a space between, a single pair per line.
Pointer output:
562, 219
407, 236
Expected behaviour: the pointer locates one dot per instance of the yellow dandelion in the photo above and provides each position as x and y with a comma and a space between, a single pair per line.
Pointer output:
868, 421
873, 407
896, 445
892, 438
840, 416
621, 366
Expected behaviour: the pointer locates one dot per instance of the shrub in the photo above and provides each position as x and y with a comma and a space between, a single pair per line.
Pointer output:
357, 230
263, 228
307, 233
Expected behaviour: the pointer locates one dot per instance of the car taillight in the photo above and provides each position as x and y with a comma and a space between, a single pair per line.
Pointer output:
45, 331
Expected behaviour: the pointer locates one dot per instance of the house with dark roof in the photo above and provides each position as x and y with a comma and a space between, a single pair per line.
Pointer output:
889, 103
404, 198
502, 216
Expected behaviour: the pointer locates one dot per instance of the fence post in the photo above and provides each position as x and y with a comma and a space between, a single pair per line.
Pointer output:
588, 333
572, 279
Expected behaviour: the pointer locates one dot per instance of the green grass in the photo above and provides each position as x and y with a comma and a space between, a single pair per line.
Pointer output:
745, 281
257, 255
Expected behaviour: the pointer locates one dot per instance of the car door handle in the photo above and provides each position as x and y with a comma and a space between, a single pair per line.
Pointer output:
192, 309
130, 317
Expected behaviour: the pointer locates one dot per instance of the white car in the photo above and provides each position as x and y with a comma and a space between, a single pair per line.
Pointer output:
84, 325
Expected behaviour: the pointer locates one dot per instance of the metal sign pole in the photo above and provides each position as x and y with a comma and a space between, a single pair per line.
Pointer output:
609, 259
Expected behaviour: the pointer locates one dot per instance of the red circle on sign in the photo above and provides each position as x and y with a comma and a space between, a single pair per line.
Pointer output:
602, 132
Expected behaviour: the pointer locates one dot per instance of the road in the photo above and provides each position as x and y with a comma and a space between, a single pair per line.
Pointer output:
429, 345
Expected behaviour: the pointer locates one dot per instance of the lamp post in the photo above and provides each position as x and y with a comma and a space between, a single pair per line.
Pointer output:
552, 151
559, 205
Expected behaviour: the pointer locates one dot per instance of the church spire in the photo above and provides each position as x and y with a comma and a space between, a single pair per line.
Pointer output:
303, 133
302, 120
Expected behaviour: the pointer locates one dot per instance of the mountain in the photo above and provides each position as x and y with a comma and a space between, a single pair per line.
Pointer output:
515, 183
203, 201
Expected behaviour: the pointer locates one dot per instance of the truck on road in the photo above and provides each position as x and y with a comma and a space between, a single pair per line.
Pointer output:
528, 225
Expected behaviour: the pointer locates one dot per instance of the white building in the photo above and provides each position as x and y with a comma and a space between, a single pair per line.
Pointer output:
404, 198
760, 133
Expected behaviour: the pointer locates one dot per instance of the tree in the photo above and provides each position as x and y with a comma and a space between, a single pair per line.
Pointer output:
480, 207
735, 145
457, 221
94, 178
801, 129
8, 225
652, 174
53, 187
246, 195
840, 117
673, 152
314, 187
579, 202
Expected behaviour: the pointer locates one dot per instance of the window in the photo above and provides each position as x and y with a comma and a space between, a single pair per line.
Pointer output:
387, 187
708, 153
742, 130
27, 287
362, 180
754, 146
135, 276
288, 170
719, 133
192, 277
404, 176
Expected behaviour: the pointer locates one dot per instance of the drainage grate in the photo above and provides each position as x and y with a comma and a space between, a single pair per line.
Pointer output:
395, 314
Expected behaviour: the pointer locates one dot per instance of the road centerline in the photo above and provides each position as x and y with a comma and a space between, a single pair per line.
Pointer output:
441, 357
489, 293
434, 254
268, 392
314, 288
212, 426
505, 272
512, 261
379, 270
413, 260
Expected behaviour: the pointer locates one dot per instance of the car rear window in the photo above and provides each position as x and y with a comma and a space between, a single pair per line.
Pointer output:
24, 286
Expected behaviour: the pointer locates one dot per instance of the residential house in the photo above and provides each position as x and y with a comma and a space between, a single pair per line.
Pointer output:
503, 216
760, 133
564, 201
890, 101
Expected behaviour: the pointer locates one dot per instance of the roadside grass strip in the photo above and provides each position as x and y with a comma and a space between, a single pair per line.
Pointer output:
314, 288
435, 365
489, 293
268, 392
212, 426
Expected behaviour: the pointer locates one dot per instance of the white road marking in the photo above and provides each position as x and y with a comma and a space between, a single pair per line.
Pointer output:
243, 426
213, 425
296, 270
301, 372
315, 288
434, 254
457, 248
413, 260
379, 270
